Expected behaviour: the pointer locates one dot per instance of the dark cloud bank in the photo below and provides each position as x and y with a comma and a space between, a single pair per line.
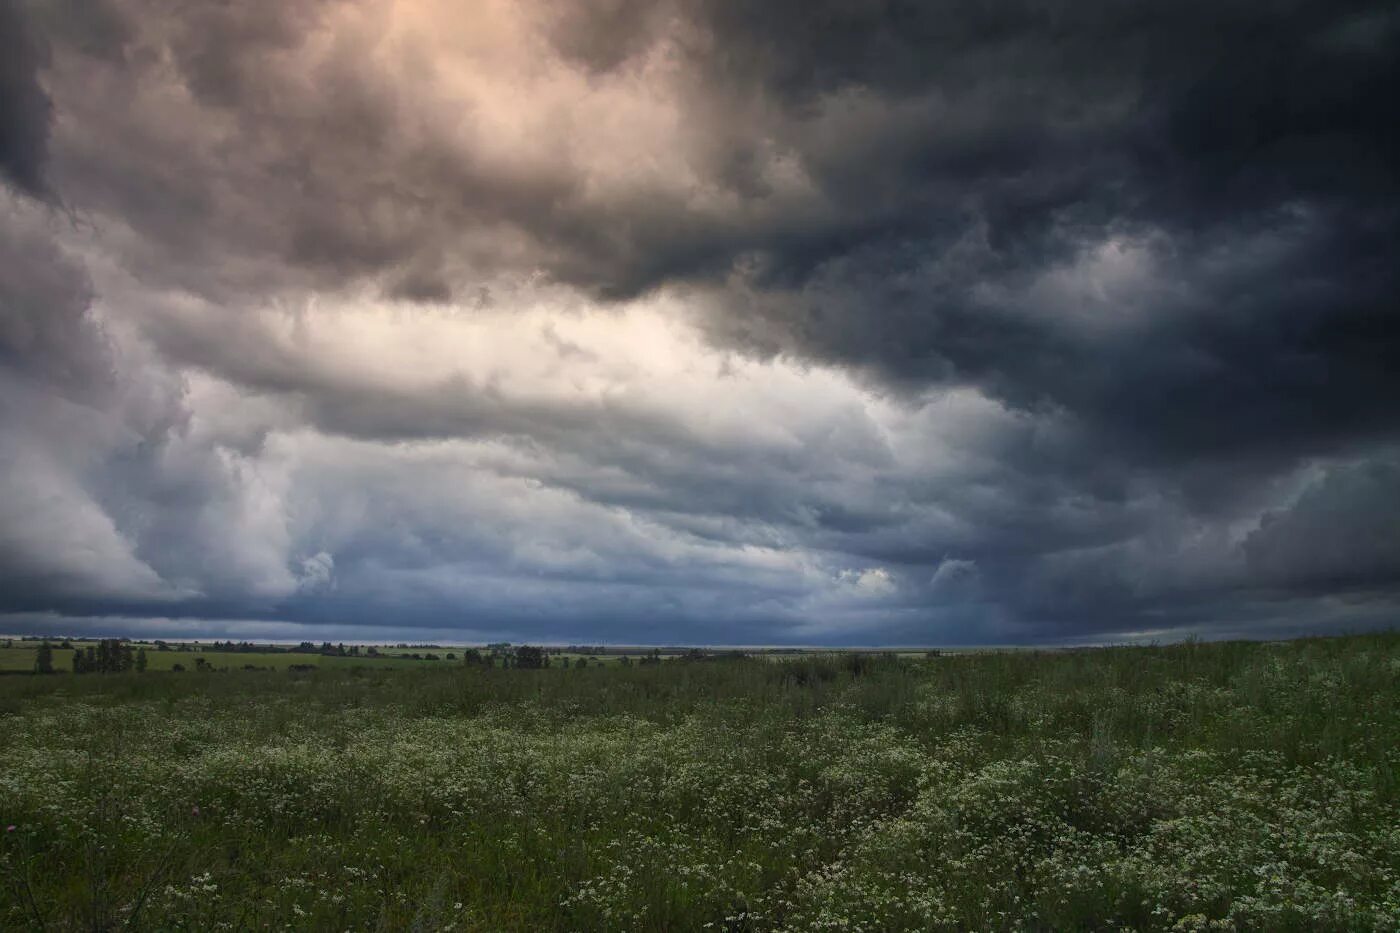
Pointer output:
1096, 303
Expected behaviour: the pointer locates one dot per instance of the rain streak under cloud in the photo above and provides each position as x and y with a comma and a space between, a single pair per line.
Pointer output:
694, 321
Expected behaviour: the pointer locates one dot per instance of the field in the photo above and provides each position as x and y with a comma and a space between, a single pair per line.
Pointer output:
19, 658
22, 659
1191, 787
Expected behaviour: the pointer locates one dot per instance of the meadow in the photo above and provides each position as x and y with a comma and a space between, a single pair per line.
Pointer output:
1229, 786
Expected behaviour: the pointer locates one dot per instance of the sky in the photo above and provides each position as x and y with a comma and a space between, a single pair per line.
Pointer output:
699, 321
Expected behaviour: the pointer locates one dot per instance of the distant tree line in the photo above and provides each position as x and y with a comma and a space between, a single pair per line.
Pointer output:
530, 657
327, 648
114, 655
506, 655
108, 656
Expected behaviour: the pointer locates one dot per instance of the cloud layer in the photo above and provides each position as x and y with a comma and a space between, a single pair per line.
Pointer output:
698, 321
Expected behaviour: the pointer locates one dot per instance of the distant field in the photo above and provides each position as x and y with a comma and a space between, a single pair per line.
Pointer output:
22, 659
1192, 787
603, 659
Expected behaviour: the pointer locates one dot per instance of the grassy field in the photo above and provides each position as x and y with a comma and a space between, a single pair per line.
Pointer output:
22, 659
1193, 787
19, 657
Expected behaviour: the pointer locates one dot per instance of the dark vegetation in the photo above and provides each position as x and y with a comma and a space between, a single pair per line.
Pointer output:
1197, 786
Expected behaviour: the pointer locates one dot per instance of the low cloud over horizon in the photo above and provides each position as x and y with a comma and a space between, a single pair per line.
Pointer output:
699, 322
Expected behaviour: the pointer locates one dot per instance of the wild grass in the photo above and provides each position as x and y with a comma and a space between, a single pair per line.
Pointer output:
1197, 786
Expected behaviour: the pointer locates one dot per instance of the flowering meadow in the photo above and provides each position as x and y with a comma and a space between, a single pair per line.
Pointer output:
1227, 786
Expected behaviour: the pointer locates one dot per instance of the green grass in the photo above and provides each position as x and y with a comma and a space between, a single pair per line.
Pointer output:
1220, 786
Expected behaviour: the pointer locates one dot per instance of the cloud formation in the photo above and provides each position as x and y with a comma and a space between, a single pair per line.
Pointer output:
698, 321
25, 109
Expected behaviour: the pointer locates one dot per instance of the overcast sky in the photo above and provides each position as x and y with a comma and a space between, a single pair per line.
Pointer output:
699, 321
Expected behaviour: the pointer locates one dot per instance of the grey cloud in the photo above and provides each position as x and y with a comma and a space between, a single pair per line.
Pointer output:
110, 494
46, 329
1342, 532
917, 126
93, 27
956, 578
25, 108
605, 34
1061, 535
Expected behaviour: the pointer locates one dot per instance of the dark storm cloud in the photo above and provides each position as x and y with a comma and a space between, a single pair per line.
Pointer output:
954, 157
56, 369
46, 330
1249, 148
1338, 535
1148, 253
108, 498
24, 106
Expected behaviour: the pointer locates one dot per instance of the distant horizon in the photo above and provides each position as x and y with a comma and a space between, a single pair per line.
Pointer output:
1143, 641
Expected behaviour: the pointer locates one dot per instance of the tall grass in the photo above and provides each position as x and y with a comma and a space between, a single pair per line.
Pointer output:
1251, 786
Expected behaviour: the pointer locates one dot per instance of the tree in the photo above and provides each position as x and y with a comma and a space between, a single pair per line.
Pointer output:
530, 657
43, 659
141, 660
108, 656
